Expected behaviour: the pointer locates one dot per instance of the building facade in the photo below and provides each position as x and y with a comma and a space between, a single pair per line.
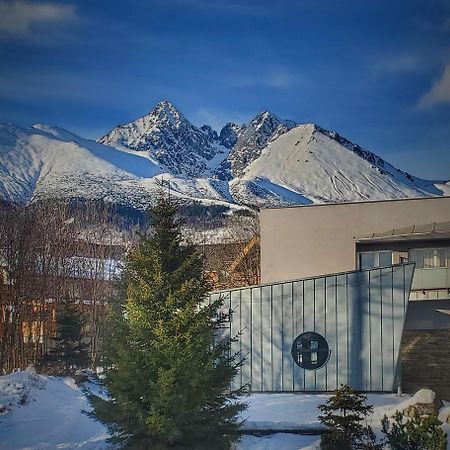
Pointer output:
313, 240
317, 333
382, 317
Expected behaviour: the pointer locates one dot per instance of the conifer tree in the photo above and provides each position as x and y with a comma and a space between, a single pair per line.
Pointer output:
344, 414
70, 353
167, 375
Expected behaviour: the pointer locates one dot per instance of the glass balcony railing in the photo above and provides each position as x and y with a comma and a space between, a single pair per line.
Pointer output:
431, 278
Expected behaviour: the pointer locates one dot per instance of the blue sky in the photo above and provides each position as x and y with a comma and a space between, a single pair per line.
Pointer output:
377, 72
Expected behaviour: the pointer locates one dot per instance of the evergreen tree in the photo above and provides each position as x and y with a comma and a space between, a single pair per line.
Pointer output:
344, 414
70, 353
168, 376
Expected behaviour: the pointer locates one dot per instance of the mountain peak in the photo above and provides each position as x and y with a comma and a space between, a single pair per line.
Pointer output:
249, 140
164, 104
167, 112
264, 116
168, 138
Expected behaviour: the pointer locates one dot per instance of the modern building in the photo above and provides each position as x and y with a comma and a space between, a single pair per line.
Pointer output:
312, 240
373, 301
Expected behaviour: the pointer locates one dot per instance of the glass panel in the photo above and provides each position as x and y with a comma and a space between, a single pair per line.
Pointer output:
430, 257
385, 259
314, 345
417, 256
313, 358
440, 257
366, 260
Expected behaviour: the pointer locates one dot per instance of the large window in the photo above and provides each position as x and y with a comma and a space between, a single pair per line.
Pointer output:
430, 258
369, 260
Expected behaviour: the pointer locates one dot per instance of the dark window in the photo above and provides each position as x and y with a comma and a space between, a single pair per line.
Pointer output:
366, 260
369, 260
385, 259
310, 351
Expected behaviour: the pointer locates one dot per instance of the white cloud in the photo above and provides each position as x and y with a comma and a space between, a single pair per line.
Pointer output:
20, 17
439, 92
398, 64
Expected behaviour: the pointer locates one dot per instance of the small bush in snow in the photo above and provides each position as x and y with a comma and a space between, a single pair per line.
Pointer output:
416, 433
344, 414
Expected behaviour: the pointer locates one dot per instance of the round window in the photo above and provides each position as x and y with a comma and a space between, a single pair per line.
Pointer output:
310, 351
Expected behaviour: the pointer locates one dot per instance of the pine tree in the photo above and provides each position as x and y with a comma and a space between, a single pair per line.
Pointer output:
70, 353
167, 375
344, 413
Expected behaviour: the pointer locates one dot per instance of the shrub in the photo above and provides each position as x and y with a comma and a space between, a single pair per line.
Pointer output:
344, 414
416, 433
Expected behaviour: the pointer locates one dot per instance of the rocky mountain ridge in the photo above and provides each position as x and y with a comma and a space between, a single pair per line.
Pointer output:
265, 162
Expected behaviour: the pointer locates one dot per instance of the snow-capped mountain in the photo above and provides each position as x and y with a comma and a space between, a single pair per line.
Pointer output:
266, 162
168, 138
311, 165
247, 141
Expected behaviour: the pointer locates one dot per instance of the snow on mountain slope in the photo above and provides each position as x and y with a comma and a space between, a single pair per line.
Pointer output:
266, 162
40, 161
251, 138
309, 164
169, 138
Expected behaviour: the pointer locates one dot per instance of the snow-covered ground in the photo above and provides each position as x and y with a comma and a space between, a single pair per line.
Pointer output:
46, 413
42, 412
293, 411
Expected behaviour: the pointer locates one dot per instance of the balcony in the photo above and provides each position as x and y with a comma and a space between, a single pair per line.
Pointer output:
431, 278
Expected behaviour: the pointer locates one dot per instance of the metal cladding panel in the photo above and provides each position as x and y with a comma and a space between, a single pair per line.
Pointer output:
277, 338
341, 329
256, 345
360, 314
245, 305
298, 302
287, 337
331, 333
266, 335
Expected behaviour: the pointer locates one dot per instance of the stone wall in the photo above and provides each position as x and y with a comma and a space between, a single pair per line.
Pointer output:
425, 361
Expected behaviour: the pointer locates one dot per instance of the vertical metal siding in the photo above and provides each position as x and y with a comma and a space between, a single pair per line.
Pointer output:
360, 314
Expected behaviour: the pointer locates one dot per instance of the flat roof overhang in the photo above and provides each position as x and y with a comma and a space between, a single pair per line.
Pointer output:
424, 233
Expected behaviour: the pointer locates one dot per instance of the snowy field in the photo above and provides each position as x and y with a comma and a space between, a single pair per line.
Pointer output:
40, 412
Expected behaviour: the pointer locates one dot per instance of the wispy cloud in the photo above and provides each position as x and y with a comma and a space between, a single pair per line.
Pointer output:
279, 78
441, 26
23, 17
398, 64
233, 7
439, 92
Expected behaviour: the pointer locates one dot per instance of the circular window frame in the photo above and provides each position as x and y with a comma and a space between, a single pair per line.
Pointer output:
322, 348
